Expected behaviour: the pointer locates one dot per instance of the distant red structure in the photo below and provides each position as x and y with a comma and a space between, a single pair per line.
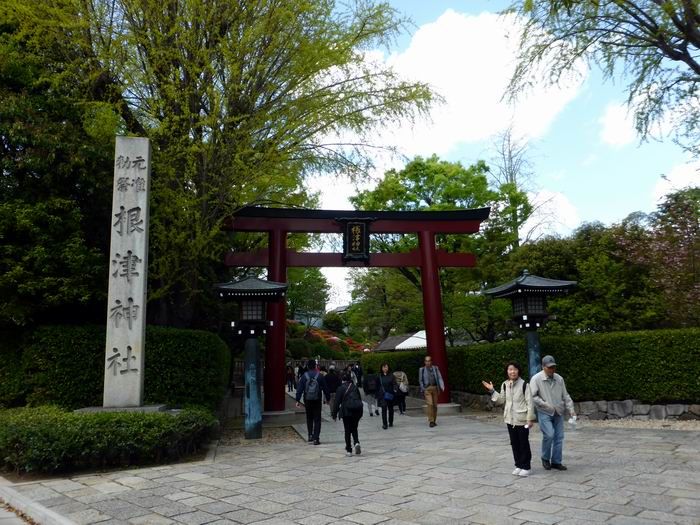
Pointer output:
356, 227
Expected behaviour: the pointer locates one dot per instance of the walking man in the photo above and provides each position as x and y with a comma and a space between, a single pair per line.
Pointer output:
431, 384
552, 401
312, 386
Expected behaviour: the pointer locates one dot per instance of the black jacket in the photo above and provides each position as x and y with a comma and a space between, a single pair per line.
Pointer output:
387, 383
332, 382
338, 410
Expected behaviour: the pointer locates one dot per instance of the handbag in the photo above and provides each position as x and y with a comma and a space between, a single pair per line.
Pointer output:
388, 396
403, 387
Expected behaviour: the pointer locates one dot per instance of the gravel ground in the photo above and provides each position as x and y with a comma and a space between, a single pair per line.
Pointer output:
231, 436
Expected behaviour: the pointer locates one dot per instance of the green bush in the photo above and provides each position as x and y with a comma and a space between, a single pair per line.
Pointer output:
48, 439
299, 348
64, 365
13, 390
334, 322
654, 366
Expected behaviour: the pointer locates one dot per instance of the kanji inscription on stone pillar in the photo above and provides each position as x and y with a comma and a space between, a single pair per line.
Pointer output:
126, 307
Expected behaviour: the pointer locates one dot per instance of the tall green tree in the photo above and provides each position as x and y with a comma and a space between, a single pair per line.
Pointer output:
670, 250
434, 184
653, 45
240, 100
56, 144
307, 295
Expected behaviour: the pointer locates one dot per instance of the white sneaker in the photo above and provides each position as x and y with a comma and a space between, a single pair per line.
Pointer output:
358, 450
348, 453
523, 473
516, 472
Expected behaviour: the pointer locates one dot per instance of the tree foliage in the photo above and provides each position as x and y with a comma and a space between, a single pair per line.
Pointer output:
654, 45
307, 294
239, 99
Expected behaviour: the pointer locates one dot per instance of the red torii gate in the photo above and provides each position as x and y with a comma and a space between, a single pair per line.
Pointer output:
278, 222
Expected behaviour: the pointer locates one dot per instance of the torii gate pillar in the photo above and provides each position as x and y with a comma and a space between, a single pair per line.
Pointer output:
432, 308
277, 333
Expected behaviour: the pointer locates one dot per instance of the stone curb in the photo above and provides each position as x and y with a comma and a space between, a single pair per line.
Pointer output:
34, 510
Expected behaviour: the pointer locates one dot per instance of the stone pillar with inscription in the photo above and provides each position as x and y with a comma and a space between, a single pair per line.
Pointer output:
126, 307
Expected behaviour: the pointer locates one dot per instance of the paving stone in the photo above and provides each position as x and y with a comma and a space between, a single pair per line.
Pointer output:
366, 518
245, 516
195, 518
87, 516
586, 514
151, 519
537, 517
218, 507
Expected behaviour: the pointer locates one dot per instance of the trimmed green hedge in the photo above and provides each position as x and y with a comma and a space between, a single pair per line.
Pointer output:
48, 439
653, 366
64, 365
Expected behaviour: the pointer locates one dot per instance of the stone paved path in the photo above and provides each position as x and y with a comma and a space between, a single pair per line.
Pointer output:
9, 518
457, 472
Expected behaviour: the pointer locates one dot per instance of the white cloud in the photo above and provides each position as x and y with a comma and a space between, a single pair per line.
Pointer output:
679, 177
617, 126
554, 214
449, 54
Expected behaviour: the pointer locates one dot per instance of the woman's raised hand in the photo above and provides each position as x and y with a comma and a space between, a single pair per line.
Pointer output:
487, 385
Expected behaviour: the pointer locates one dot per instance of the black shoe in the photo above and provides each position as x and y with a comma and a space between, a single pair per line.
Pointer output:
431, 424
384, 427
311, 439
376, 412
317, 442
546, 464
391, 424
370, 414
558, 466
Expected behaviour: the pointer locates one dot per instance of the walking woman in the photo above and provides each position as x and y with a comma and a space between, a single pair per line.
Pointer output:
518, 413
386, 395
291, 383
348, 406
400, 399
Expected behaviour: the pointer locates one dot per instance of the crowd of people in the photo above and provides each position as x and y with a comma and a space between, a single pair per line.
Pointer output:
544, 400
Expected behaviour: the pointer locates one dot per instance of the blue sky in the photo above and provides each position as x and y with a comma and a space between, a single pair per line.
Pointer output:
588, 163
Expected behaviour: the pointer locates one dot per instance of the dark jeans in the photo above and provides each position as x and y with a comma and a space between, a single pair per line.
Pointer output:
401, 401
290, 385
350, 424
313, 418
520, 443
388, 406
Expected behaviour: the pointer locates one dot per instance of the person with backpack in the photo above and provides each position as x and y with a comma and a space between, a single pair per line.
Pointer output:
387, 394
402, 382
518, 414
312, 386
370, 384
348, 406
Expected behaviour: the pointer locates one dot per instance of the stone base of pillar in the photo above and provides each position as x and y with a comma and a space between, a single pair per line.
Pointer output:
283, 418
449, 409
147, 409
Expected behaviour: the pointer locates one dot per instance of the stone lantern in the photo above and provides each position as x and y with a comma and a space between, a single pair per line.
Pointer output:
528, 294
252, 295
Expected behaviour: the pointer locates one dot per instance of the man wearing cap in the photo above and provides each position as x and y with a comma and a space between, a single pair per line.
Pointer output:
552, 401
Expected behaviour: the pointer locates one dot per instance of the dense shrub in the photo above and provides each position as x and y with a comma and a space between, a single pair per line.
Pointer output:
13, 390
653, 366
334, 322
64, 365
48, 439
299, 348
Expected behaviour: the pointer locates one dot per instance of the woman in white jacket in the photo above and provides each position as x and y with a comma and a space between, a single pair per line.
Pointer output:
518, 413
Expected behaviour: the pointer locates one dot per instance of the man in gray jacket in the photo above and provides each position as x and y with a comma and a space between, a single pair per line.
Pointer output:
431, 384
552, 401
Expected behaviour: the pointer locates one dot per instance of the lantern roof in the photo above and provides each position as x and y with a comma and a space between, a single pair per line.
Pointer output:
251, 288
531, 284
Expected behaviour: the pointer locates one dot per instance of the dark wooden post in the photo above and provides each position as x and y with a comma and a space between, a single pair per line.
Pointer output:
276, 334
432, 308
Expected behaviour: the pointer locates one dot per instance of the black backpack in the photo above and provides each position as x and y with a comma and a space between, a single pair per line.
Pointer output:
312, 392
351, 399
